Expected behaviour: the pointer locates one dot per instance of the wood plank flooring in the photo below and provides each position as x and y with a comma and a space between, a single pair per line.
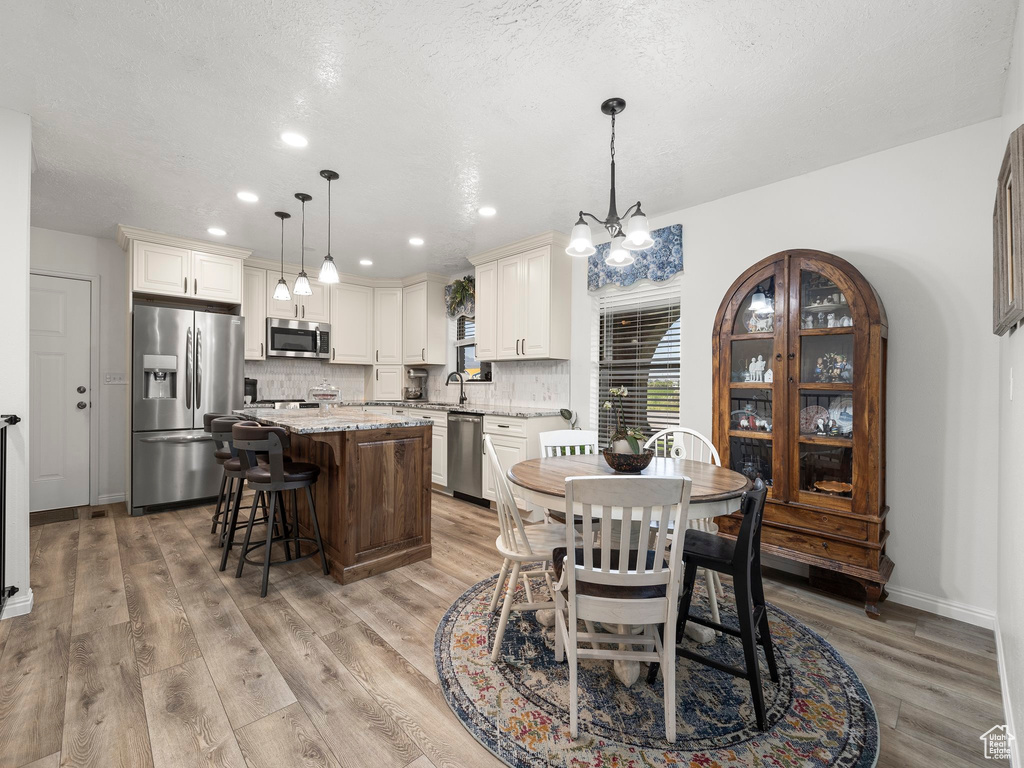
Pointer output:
140, 652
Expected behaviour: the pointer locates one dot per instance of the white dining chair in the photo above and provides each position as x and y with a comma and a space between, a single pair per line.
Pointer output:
568, 442
686, 443
608, 580
518, 544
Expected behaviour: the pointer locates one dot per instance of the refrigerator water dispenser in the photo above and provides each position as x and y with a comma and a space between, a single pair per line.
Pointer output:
161, 377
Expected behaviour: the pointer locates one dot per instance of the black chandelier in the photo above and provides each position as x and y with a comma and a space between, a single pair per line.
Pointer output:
629, 232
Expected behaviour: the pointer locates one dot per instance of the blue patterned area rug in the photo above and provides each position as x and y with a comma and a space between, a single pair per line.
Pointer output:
818, 714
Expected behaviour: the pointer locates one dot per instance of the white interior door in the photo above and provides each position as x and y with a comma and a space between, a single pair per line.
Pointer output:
59, 403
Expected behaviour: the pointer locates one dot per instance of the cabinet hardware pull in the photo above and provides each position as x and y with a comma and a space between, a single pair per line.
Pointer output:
332, 353
184, 288
195, 286
517, 346
778, 356
296, 310
303, 311
377, 372
792, 355
378, 355
503, 426
261, 349
423, 353
524, 346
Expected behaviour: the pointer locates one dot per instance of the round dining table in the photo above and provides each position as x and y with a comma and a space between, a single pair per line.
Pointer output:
715, 491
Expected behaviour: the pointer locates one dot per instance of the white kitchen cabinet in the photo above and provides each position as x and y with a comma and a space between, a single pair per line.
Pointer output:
510, 307
387, 326
161, 269
216, 277
510, 450
424, 323
387, 382
523, 300
486, 311
351, 324
314, 309
254, 308
168, 270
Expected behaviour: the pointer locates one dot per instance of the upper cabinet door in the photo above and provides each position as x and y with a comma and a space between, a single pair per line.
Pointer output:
254, 309
316, 308
415, 322
487, 311
510, 308
536, 317
351, 324
217, 278
282, 310
387, 325
162, 269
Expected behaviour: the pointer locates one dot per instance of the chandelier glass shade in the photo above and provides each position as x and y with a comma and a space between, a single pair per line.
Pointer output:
302, 286
329, 270
629, 232
281, 290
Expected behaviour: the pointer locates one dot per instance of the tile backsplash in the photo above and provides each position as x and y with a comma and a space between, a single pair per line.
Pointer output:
292, 378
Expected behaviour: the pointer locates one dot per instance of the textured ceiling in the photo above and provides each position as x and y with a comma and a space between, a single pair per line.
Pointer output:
154, 114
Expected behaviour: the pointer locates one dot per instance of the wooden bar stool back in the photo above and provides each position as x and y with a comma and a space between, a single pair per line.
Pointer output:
273, 476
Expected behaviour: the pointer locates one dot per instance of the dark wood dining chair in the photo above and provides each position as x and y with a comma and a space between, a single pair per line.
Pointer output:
741, 559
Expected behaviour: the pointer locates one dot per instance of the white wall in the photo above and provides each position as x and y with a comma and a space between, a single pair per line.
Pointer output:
63, 253
15, 196
1010, 523
916, 220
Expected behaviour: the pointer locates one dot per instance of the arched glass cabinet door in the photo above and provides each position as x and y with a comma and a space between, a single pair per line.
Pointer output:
825, 399
752, 343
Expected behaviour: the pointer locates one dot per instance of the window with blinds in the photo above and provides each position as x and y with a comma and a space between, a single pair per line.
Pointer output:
638, 348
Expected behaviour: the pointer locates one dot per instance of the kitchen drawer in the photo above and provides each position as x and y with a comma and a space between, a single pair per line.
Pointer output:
817, 520
380, 410
440, 418
500, 425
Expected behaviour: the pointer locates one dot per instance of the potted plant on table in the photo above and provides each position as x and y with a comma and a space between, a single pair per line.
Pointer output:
625, 452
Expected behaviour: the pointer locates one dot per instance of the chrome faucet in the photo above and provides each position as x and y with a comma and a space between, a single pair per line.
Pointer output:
462, 385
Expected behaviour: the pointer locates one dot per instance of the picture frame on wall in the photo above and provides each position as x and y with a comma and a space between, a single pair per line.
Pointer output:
1008, 238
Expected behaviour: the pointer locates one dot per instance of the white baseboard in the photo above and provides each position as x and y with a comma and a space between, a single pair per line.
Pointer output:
109, 498
942, 607
18, 605
1004, 685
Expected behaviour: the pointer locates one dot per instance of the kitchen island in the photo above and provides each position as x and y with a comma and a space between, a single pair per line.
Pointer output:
373, 494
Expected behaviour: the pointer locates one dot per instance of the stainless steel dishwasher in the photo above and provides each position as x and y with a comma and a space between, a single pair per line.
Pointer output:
466, 454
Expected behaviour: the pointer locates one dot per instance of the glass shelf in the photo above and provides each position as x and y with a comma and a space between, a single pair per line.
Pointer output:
751, 457
826, 414
752, 361
750, 410
827, 359
826, 469
822, 304
756, 313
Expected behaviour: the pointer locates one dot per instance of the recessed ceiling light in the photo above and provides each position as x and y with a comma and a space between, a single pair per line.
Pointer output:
293, 139
216, 231
366, 262
415, 241
487, 211
248, 197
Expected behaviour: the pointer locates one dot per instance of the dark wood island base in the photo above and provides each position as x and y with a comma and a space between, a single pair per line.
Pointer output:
372, 498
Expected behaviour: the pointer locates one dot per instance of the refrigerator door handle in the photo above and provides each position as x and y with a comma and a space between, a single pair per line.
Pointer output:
188, 368
199, 368
176, 439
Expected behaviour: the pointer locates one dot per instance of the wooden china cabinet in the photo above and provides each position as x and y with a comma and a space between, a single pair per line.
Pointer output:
799, 398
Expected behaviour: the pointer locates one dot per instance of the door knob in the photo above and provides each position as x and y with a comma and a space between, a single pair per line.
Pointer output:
81, 390
81, 404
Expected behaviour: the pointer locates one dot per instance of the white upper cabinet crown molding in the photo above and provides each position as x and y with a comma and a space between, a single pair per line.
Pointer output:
554, 240
127, 235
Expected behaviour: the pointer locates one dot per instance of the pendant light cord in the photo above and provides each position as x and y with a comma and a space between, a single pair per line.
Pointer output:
282, 248
328, 217
302, 255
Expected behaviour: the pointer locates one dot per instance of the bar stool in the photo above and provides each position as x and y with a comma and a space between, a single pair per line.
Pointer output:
273, 476
221, 453
220, 429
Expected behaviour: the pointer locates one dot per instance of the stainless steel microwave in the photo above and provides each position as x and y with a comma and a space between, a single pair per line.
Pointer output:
298, 338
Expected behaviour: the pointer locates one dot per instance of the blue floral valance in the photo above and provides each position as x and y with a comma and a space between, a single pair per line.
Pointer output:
657, 263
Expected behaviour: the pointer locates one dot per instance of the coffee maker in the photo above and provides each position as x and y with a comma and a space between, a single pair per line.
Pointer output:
249, 393
416, 385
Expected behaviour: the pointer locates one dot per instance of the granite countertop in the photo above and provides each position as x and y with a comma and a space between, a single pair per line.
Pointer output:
337, 418
518, 411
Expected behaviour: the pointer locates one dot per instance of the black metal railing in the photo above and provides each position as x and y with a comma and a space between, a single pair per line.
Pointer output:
5, 591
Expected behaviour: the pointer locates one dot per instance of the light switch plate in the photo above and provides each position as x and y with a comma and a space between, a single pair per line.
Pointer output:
115, 378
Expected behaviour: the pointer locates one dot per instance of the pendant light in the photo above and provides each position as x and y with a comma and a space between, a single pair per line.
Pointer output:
281, 291
634, 236
328, 270
302, 287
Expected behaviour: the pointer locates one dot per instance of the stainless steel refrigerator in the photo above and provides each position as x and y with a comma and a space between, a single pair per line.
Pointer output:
185, 364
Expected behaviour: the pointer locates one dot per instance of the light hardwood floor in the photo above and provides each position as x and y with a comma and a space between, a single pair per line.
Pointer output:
141, 653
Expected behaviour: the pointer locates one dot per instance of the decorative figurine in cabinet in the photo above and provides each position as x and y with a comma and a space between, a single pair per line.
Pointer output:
810, 419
